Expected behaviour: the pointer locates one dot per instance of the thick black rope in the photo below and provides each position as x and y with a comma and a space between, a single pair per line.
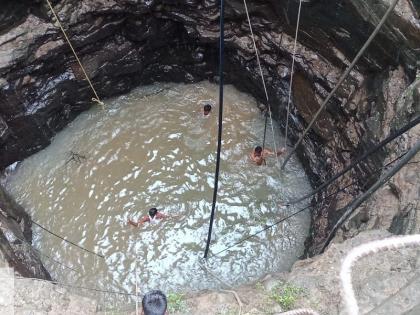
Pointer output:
307, 207
375, 148
66, 240
352, 206
219, 135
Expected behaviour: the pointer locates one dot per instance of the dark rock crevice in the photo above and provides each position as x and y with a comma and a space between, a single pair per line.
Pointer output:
125, 43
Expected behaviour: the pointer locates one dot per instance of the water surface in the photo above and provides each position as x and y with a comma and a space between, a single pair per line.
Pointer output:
153, 147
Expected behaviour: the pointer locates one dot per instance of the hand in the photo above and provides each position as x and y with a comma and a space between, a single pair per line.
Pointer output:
281, 151
130, 222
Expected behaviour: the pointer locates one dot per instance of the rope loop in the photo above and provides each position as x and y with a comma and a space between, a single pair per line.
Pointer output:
99, 102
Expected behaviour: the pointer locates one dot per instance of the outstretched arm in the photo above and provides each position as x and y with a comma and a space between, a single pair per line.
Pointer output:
161, 215
281, 151
268, 152
140, 222
131, 222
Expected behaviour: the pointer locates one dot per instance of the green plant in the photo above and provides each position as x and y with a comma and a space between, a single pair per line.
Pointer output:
285, 295
176, 302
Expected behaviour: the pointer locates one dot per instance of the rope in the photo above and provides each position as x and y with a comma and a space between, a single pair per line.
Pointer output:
307, 207
375, 148
349, 209
49, 257
96, 98
66, 240
235, 294
365, 250
341, 80
263, 83
291, 73
219, 135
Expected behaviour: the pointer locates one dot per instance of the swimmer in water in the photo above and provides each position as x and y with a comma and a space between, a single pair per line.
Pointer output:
258, 155
153, 217
206, 109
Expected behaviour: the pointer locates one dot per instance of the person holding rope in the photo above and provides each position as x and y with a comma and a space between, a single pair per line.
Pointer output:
153, 217
258, 155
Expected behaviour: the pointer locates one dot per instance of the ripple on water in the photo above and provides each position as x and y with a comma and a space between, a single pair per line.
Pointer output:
155, 149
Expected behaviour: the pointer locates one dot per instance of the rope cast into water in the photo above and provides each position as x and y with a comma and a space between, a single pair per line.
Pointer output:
219, 135
257, 56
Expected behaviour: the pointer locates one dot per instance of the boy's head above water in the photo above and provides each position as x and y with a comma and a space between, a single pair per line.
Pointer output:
206, 109
258, 150
152, 212
154, 303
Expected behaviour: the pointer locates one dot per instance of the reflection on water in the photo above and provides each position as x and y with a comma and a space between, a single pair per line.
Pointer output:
153, 147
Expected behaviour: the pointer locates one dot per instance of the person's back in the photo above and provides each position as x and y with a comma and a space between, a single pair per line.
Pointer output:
154, 303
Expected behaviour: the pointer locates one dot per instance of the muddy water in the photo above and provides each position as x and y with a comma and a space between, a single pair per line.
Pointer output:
153, 147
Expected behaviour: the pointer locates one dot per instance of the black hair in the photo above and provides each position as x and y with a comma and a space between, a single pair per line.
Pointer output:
152, 212
258, 149
207, 107
154, 303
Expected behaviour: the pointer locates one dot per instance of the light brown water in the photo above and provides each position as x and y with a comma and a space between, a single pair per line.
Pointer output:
152, 147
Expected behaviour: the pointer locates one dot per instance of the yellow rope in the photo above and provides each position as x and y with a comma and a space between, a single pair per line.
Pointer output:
96, 98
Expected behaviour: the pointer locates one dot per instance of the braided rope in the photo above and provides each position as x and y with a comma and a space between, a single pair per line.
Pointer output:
361, 251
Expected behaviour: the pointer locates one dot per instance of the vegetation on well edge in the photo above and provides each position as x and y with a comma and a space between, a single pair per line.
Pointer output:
176, 302
285, 295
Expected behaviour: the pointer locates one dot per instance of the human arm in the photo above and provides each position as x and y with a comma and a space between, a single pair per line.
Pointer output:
161, 215
131, 222
268, 152
281, 151
252, 157
140, 222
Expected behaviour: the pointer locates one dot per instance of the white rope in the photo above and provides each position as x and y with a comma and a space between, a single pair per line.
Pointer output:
238, 299
301, 311
291, 74
357, 253
262, 79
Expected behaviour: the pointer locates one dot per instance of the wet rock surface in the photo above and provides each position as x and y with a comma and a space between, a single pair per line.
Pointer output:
127, 43
16, 238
